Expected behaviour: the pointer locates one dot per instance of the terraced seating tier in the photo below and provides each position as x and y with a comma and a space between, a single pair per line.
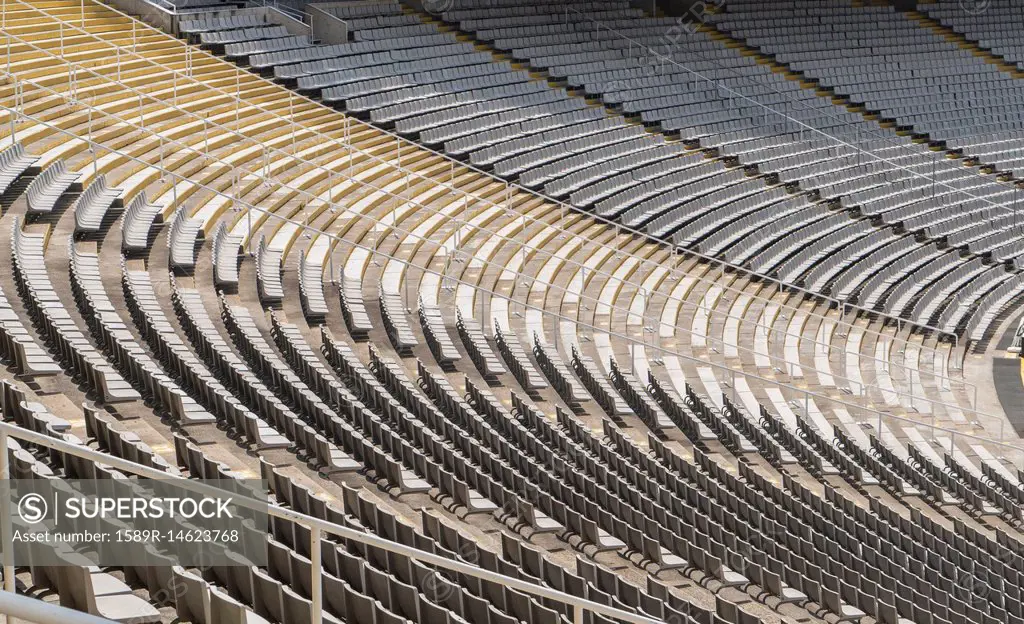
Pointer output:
645, 452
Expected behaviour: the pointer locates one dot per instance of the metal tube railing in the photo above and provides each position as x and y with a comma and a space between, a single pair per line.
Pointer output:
481, 228
729, 372
34, 610
262, 172
509, 186
74, 68
6, 526
268, 214
316, 525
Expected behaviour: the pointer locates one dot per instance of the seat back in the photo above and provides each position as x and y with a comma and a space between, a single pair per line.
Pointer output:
193, 603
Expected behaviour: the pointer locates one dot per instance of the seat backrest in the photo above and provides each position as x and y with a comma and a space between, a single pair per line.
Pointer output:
728, 611
226, 610
378, 586
75, 588
194, 603
430, 612
301, 573
297, 610
360, 608
335, 591
267, 596
519, 605
278, 563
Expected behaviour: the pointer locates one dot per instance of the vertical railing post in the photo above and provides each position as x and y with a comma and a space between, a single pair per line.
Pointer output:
577, 614
6, 531
316, 590
15, 112
330, 258
555, 317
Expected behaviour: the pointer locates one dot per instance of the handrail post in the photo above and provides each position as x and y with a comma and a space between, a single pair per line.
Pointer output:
577, 614
6, 531
316, 590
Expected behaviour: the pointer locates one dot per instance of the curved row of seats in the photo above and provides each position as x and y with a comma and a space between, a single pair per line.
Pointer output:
301, 391
723, 95
404, 77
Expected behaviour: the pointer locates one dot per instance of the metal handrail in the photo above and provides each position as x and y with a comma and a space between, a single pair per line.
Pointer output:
16, 606
533, 279
510, 186
291, 12
164, 5
730, 372
640, 287
483, 228
317, 527
535, 251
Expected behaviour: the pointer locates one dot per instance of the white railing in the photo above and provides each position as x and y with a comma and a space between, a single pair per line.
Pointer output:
1006, 448
858, 384
287, 11
76, 71
512, 187
317, 526
17, 607
161, 13
564, 208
